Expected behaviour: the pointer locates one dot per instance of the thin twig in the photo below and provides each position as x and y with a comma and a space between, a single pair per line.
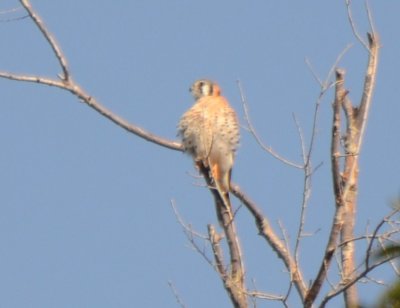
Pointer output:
286, 239
185, 226
191, 235
374, 236
14, 18
50, 39
255, 134
287, 244
302, 139
176, 295
264, 295
306, 191
370, 18
353, 26
288, 292
337, 61
13, 10
392, 263
343, 287
314, 73
384, 235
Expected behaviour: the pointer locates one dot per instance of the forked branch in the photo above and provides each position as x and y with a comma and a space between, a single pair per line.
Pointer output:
50, 39
345, 182
368, 264
233, 279
266, 231
340, 94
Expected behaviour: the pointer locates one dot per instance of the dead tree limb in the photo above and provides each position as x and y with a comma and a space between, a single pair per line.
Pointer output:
266, 231
345, 182
356, 121
50, 39
340, 93
233, 279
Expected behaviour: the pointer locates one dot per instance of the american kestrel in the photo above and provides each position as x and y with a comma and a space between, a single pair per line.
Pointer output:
210, 134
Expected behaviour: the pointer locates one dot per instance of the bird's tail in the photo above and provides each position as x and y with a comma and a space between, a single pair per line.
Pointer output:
222, 185
220, 190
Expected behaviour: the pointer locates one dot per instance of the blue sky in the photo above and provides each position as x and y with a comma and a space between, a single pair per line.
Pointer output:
85, 207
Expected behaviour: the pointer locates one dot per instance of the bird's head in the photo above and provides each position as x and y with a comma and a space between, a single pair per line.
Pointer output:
204, 87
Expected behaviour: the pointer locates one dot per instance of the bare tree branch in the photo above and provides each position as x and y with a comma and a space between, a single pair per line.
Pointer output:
345, 184
368, 253
394, 266
353, 26
370, 19
191, 236
263, 295
77, 91
234, 281
186, 227
356, 123
218, 255
369, 86
176, 295
307, 168
306, 189
342, 288
266, 231
50, 39
255, 134
345, 285
340, 93
12, 11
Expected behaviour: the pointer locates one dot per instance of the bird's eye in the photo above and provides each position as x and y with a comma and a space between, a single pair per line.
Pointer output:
201, 84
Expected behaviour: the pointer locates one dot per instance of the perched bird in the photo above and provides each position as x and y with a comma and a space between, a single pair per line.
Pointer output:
210, 134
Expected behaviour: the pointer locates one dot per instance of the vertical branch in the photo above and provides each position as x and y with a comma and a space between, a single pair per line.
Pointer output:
369, 86
335, 150
356, 124
216, 248
340, 94
233, 280
349, 179
345, 183
306, 189
353, 26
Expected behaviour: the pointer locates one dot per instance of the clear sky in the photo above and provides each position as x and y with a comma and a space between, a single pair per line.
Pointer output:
85, 214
